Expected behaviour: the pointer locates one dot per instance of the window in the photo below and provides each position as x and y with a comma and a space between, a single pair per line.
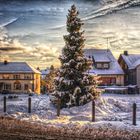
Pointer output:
16, 76
7, 86
113, 80
99, 65
106, 66
27, 76
126, 77
5, 76
17, 86
26, 87
125, 66
102, 65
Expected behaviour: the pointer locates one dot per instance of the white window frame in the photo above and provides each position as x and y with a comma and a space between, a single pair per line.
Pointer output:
99, 65
106, 65
16, 76
7, 86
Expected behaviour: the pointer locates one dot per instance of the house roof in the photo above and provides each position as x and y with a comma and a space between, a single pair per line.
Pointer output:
104, 55
17, 67
45, 71
132, 60
102, 58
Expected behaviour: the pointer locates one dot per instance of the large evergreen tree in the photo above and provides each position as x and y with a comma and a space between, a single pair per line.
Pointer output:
74, 86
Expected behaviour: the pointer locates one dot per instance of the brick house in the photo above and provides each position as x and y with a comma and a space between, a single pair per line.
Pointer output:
130, 64
106, 67
19, 77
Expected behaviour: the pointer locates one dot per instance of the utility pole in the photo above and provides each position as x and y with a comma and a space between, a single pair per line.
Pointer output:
0, 56
107, 43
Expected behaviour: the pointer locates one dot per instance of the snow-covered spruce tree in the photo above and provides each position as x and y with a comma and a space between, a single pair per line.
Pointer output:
74, 86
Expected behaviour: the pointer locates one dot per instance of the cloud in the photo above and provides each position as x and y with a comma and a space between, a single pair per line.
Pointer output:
10, 49
8, 44
37, 53
42, 51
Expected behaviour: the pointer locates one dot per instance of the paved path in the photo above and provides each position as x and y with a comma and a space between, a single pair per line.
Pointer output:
19, 136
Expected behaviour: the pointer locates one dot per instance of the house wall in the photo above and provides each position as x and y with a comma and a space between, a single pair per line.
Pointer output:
37, 83
120, 80
33, 82
138, 76
11, 76
108, 79
125, 69
132, 77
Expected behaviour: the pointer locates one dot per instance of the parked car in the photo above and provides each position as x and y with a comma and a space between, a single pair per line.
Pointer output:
31, 94
5, 92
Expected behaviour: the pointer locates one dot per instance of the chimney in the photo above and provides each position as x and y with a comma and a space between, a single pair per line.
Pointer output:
38, 68
126, 53
5, 62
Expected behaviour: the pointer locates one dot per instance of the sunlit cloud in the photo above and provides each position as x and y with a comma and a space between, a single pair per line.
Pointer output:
37, 36
13, 49
7, 44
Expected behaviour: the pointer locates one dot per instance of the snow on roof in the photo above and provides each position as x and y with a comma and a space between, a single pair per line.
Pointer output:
17, 67
136, 64
132, 60
45, 71
116, 88
104, 56
132, 86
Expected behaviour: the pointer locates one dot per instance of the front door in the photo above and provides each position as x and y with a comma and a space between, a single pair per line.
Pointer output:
1, 86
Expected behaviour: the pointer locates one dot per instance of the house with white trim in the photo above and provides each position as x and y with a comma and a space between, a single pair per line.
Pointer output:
106, 67
19, 77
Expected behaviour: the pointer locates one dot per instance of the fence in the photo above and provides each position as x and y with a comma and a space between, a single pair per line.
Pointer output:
5, 104
134, 109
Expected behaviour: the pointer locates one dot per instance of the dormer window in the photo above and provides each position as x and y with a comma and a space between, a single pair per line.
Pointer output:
99, 65
102, 65
106, 65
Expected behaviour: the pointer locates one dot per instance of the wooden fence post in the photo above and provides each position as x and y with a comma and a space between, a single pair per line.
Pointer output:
29, 105
93, 111
134, 113
58, 107
4, 104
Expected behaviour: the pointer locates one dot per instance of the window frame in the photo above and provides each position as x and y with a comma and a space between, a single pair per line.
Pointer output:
107, 65
16, 76
97, 65
17, 86
26, 88
5, 76
7, 86
27, 76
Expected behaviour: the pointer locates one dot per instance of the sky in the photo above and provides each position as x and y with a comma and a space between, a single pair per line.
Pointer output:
32, 30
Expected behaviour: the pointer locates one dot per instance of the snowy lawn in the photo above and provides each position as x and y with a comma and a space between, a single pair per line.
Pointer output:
112, 110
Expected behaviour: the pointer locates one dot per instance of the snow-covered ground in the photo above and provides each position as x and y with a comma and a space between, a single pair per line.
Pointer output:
112, 110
